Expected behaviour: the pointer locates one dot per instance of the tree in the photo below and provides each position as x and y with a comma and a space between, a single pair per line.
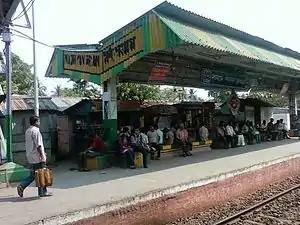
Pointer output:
222, 95
58, 91
22, 77
82, 88
42, 89
192, 95
219, 95
270, 97
140, 92
169, 94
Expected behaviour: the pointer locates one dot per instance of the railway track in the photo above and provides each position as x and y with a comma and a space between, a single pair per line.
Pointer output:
256, 215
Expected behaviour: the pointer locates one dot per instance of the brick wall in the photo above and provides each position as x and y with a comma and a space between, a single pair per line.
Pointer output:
170, 208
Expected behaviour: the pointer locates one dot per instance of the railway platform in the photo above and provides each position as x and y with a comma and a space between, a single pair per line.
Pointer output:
83, 195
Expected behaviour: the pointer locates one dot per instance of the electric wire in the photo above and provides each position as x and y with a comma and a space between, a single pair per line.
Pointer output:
25, 36
25, 10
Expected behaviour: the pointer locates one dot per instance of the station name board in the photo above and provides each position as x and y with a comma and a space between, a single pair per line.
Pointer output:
86, 62
218, 78
123, 49
111, 55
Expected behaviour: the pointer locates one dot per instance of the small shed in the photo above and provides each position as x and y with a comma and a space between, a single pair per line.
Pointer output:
22, 109
86, 115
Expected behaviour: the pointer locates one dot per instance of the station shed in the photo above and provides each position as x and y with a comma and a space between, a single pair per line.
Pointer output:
172, 46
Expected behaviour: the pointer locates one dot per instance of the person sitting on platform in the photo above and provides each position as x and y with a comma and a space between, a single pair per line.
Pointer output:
255, 134
97, 148
153, 140
145, 139
230, 135
277, 125
284, 129
139, 143
263, 130
183, 140
218, 137
251, 132
125, 147
246, 132
270, 129
169, 136
239, 138
203, 132
264, 125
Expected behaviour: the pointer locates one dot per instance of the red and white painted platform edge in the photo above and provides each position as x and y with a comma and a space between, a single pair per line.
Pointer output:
83, 195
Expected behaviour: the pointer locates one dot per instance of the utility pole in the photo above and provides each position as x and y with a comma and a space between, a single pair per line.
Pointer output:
36, 85
8, 73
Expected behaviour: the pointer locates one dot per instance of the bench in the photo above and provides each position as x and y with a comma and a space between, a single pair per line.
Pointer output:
138, 158
175, 148
166, 149
98, 162
5, 172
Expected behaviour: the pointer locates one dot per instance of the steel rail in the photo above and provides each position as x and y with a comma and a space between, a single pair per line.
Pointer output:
236, 216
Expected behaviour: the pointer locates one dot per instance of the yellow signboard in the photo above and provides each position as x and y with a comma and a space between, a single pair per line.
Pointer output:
86, 62
115, 53
123, 49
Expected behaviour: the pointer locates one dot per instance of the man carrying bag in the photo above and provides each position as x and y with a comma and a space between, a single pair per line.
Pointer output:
36, 156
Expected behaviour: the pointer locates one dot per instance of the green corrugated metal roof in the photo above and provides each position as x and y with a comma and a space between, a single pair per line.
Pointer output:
216, 41
172, 11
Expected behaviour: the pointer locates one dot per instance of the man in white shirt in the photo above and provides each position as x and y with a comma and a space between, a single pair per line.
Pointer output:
203, 132
230, 135
35, 154
153, 140
160, 135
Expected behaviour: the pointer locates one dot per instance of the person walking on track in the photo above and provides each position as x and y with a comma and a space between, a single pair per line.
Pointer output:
36, 156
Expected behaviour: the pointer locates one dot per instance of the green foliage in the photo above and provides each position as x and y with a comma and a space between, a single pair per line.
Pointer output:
58, 91
128, 91
81, 88
133, 91
219, 95
42, 89
179, 94
268, 96
140, 92
273, 98
22, 77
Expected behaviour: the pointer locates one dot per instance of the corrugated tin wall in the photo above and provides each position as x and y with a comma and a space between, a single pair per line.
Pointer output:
21, 123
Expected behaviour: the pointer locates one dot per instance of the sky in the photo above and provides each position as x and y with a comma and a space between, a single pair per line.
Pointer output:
77, 22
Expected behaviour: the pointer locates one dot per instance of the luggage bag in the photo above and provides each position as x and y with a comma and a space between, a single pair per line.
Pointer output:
43, 177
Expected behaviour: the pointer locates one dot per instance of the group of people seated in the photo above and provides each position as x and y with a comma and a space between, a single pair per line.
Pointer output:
234, 134
151, 143
225, 135
274, 131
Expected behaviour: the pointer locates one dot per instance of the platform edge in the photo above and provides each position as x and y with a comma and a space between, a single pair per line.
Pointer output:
98, 210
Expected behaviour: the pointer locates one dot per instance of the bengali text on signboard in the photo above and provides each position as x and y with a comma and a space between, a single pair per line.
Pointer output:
123, 49
86, 62
98, 62
221, 79
159, 72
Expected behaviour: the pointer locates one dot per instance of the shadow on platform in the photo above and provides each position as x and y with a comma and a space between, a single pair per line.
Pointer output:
11, 199
65, 179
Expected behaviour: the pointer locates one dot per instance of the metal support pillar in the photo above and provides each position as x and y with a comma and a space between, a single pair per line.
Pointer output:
8, 73
109, 109
293, 102
36, 85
